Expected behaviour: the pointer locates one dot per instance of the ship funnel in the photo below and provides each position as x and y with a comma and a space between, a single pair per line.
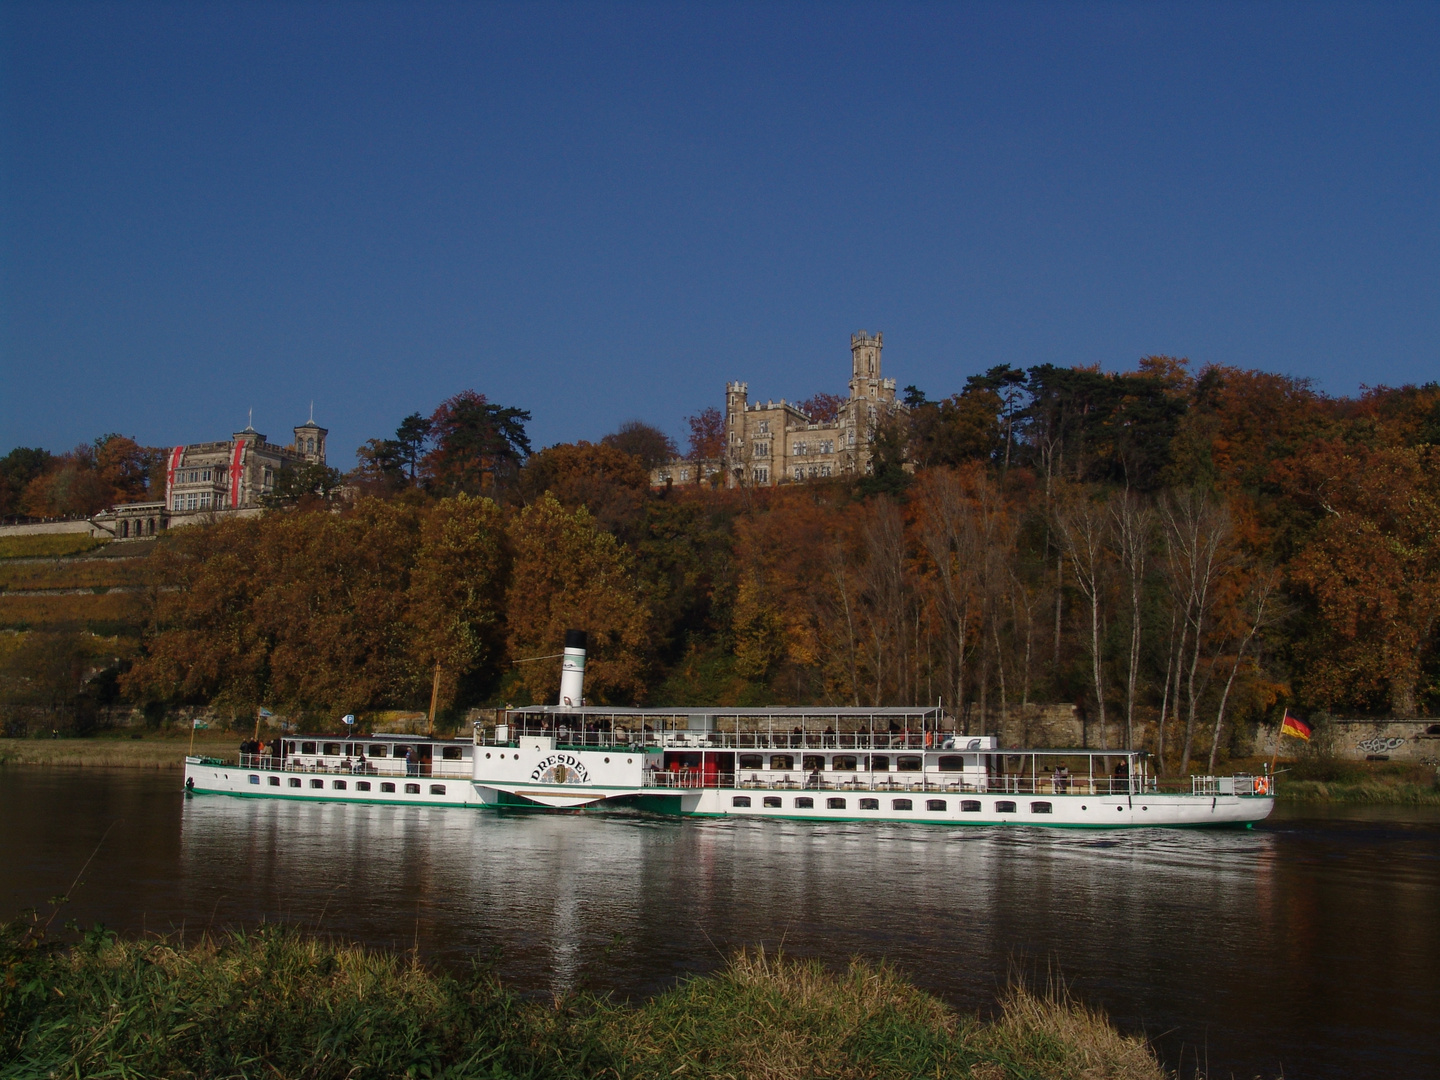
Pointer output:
572, 670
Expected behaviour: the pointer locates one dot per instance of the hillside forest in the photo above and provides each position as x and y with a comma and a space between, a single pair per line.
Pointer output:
1180, 554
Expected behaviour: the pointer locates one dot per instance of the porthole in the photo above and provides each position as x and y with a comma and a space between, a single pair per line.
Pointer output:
362, 785
317, 783
934, 804
629, 761
1119, 809
969, 806
1144, 808
437, 789
607, 761
835, 804
869, 804
772, 801
412, 789
274, 781
804, 803
388, 787
1041, 808
338, 785
487, 755
1084, 807
294, 781
1005, 806
740, 800
901, 804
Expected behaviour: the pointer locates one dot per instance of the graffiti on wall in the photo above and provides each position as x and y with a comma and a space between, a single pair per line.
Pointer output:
1377, 745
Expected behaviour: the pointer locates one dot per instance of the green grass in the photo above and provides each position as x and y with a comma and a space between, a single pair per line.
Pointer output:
276, 1003
1331, 780
44, 545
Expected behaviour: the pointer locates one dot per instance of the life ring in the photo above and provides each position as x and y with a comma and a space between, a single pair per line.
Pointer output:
1262, 785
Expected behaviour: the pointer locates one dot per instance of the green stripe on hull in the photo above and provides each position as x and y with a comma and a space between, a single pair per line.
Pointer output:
326, 798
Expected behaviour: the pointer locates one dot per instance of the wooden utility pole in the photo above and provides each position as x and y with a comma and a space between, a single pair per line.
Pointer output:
434, 696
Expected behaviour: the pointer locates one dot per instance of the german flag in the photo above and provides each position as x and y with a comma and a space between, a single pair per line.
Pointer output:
1295, 728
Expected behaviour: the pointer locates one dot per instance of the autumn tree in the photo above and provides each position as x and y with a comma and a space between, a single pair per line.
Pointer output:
707, 434
822, 408
476, 445
569, 574
612, 484
456, 598
644, 442
1372, 568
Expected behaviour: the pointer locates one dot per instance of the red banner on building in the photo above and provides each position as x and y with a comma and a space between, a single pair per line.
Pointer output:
237, 471
176, 456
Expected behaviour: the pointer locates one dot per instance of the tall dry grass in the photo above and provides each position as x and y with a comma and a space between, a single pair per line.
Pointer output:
276, 1003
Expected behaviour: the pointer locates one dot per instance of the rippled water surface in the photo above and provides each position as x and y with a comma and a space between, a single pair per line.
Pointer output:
1311, 944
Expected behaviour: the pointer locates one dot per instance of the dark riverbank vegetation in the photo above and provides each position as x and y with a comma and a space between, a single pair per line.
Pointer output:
274, 1002
1181, 555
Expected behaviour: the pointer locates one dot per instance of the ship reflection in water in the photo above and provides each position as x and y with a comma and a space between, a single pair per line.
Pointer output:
1310, 943
1231, 939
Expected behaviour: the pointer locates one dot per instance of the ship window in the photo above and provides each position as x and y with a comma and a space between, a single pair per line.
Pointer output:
970, 806
880, 763
387, 787
332, 749
377, 750
952, 763
437, 789
362, 785
901, 804
909, 763
934, 804
843, 763
254, 779
274, 781
307, 747
451, 753
1040, 808
804, 802
835, 804
400, 751
412, 789
752, 761
812, 762
1004, 806
782, 762
294, 781
740, 800
869, 804
317, 783
772, 800
338, 785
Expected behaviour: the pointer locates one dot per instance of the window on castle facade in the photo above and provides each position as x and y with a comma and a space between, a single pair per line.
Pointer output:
824, 470
827, 446
762, 475
205, 475
799, 473
762, 449
800, 448
204, 500
764, 427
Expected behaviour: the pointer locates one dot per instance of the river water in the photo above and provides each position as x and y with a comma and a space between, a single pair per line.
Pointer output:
1308, 947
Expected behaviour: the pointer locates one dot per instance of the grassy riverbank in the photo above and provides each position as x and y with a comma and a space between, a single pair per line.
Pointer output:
1379, 783
277, 1003
150, 751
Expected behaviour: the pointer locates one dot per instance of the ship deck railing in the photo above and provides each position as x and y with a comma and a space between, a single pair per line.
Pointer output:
728, 740
455, 770
1239, 784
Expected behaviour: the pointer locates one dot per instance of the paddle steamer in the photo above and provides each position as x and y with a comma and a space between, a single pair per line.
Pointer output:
849, 764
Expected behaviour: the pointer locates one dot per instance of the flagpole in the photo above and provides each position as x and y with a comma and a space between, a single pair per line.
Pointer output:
191, 751
1280, 734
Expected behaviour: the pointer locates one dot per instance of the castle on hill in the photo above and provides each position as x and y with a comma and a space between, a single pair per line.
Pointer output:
769, 443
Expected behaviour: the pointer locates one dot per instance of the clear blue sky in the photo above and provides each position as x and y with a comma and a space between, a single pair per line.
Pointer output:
603, 212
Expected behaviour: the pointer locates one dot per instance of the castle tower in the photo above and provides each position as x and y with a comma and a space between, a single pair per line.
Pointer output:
310, 441
865, 364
